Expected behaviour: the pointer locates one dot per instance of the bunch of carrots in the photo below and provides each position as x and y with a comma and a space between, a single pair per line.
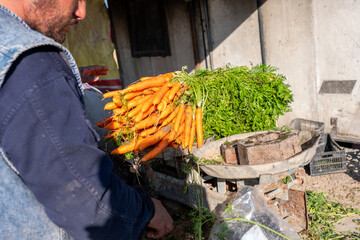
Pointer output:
153, 112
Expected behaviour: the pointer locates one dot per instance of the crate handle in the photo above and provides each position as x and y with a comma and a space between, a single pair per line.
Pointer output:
327, 155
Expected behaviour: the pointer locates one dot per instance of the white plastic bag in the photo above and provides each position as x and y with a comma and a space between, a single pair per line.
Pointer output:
252, 219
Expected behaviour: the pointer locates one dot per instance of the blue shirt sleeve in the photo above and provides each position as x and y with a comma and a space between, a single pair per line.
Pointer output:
50, 142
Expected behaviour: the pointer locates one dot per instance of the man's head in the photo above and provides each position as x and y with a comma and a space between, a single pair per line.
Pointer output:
53, 18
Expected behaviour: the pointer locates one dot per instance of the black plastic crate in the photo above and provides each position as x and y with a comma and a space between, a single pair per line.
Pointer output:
317, 129
329, 157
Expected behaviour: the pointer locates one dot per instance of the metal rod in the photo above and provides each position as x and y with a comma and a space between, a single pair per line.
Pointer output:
203, 36
193, 34
261, 32
208, 32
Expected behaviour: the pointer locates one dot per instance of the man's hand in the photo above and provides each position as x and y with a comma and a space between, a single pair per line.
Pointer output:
162, 223
91, 73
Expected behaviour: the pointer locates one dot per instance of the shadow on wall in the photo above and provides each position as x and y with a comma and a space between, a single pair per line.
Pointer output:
207, 24
216, 20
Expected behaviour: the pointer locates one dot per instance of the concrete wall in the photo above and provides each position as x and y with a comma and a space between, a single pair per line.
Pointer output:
337, 47
312, 42
234, 32
309, 41
289, 45
131, 69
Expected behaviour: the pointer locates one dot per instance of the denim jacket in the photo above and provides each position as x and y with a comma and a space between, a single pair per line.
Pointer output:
22, 217
112, 209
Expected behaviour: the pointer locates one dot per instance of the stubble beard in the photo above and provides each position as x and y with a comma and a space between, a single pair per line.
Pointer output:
47, 18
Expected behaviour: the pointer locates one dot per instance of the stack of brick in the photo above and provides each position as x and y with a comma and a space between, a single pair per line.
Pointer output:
273, 146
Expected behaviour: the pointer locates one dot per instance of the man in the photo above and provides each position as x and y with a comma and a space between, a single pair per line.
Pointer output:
48, 151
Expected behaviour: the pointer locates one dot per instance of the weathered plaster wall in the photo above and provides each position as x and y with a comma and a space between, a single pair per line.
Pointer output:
337, 45
234, 32
289, 45
180, 43
310, 41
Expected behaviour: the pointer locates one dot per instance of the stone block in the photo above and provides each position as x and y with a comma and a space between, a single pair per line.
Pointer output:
268, 147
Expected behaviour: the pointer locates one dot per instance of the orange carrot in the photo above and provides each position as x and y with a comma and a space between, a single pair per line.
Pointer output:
161, 146
110, 119
136, 101
120, 119
145, 78
192, 134
160, 94
105, 121
155, 89
120, 111
170, 84
182, 121
165, 76
121, 131
175, 134
175, 144
110, 106
134, 111
171, 116
167, 111
155, 82
148, 102
174, 90
138, 105
162, 105
179, 132
113, 125
153, 139
179, 93
131, 95
117, 100
124, 130
155, 151
128, 147
111, 93
164, 102
141, 115
112, 134
148, 131
165, 99
179, 116
182, 139
148, 91
188, 120
168, 76
199, 127
148, 122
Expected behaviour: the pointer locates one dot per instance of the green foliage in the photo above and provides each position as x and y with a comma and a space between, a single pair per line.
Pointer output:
224, 231
201, 217
129, 156
237, 99
215, 161
324, 214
